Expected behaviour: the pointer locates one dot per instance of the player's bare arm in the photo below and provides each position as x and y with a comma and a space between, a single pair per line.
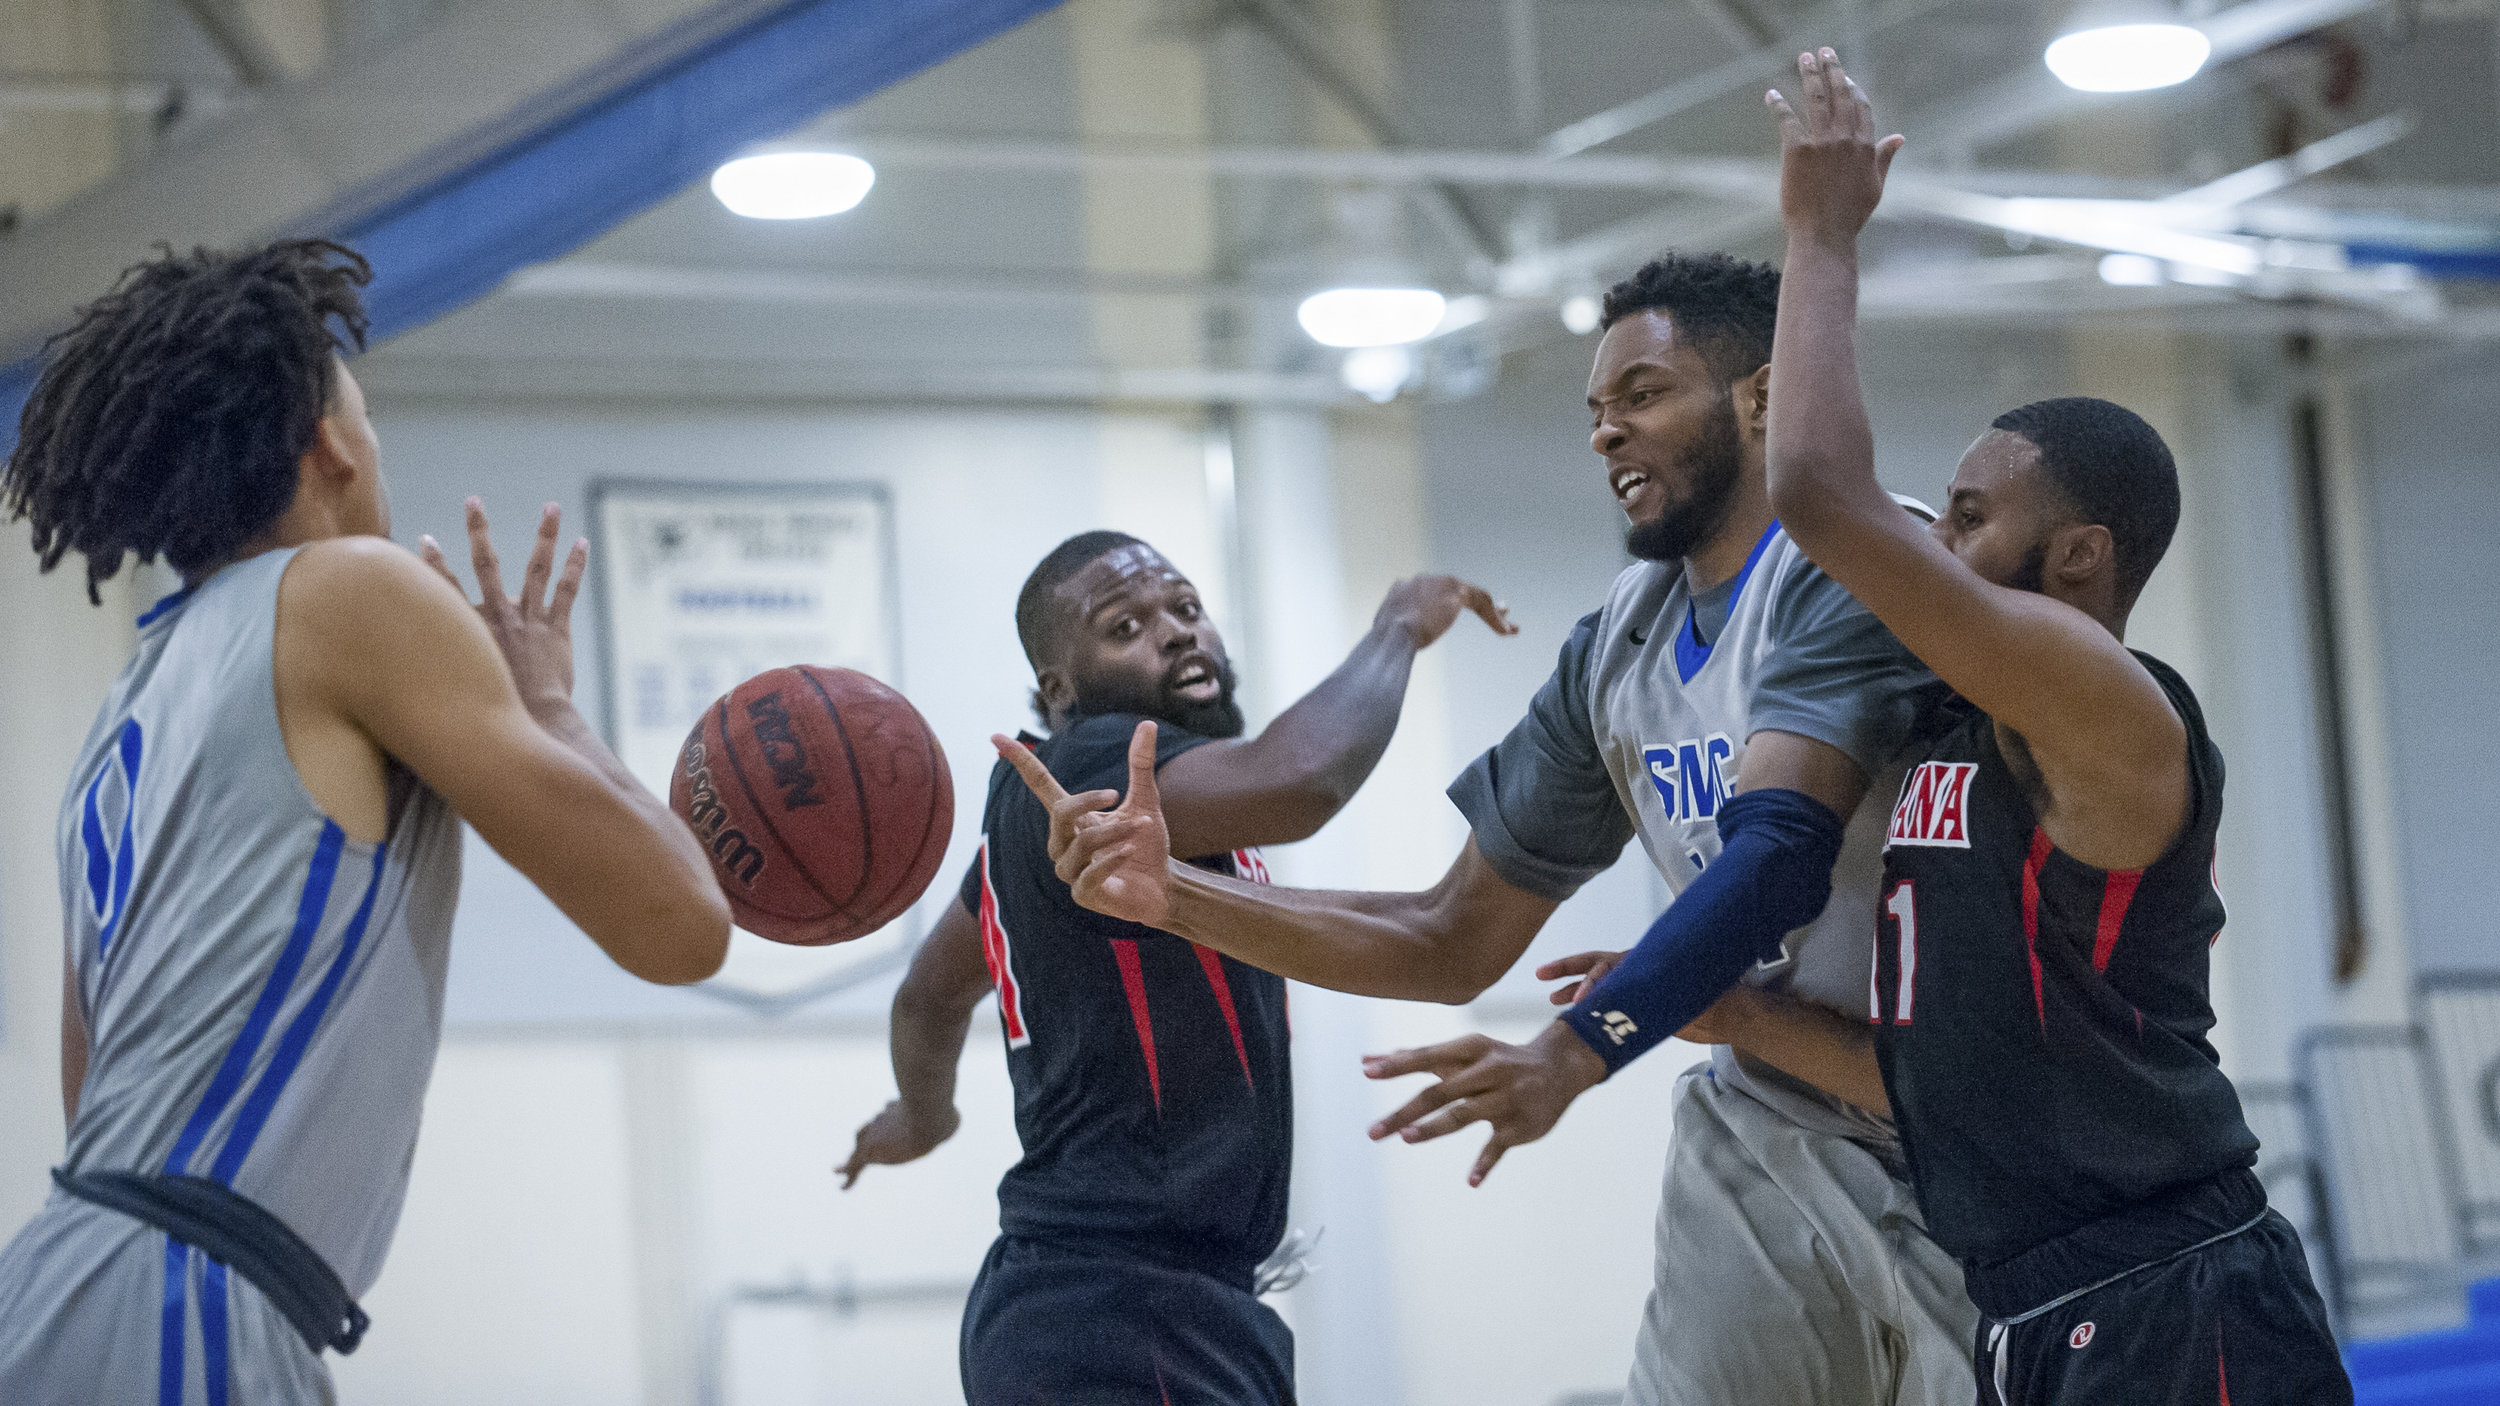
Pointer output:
1521, 1091
379, 655
1811, 1043
2109, 748
73, 1044
1293, 778
932, 1011
1446, 943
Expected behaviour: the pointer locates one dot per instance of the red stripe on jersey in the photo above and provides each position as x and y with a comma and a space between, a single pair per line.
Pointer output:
1132, 976
2222, 1369
2116, 894
1000, 959
1251, 865
2031, 919
1214, 964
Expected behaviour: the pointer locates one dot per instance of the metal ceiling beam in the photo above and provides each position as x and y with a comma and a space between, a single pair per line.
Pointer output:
1303, 41
2025, 100
246, 50
1759, 65
1730, 176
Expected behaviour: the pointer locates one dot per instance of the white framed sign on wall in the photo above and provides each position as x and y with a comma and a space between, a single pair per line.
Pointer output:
702, 586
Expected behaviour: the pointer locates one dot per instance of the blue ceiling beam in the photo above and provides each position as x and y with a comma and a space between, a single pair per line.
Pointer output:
598, 151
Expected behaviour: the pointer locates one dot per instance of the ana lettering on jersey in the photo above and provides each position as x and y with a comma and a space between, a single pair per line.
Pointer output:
1691, 776
1934, 808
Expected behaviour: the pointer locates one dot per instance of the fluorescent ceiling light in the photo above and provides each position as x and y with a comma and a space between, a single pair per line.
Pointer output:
1371, 317
793, 185
2128, 58
1581, 312
1377, 373
2130, 270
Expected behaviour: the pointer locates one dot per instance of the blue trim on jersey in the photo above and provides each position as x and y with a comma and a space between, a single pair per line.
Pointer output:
229, 1078
298, 1036
213, 1345
108, 871
1690, 652
172, 1331
126, 858
165, 606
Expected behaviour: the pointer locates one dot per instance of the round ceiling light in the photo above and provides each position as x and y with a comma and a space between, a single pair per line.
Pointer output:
2128, 58
1371, 317
793, 185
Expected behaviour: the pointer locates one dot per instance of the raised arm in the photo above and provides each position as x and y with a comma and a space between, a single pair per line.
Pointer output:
2096, 722
477, 701
73, 1044
1446, 943
932, 1011
1291, 779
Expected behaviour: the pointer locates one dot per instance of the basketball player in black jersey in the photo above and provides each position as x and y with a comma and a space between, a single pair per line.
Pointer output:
1153, 1081
2039, 1012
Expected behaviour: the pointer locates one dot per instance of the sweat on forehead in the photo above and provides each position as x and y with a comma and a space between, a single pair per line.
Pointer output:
1129, 564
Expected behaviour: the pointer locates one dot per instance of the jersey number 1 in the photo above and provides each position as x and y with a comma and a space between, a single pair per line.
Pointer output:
1901, 905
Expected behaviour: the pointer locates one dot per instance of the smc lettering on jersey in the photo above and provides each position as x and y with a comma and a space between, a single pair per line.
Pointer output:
1691, 776
1934, 808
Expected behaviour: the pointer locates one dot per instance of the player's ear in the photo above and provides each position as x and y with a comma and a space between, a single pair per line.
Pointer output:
1753, 399
1053, 695
2081, 552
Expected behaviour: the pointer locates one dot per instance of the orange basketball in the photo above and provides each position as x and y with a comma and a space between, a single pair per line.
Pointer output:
823, 798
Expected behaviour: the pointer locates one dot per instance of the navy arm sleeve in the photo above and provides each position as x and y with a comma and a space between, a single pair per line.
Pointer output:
1543, 807
1773, 875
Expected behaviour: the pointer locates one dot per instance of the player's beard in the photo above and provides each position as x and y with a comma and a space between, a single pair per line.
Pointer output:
1713, 465
2033, 573
1218, 717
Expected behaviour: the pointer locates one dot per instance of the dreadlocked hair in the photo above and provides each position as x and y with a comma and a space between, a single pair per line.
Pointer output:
1726, 306
169, 419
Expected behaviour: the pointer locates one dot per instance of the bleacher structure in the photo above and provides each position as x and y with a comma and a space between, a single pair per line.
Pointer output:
2385, 1152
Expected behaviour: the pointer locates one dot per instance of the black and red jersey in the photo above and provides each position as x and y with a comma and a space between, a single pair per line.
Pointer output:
1153, 1077
2041, 1023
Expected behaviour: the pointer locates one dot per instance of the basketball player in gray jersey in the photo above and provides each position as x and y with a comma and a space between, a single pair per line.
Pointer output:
260, 843
1744, 716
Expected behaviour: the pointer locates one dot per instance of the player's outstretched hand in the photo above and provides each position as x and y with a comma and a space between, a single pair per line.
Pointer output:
897, 1135
1584, 969
1428, 605
1520, 1091
1117, 861
1832, 166
535, 632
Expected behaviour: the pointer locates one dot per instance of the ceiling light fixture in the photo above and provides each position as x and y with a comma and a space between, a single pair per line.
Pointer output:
793, 185
1377, 373
1581, 312
2131, 271
1371, 317
2128, 58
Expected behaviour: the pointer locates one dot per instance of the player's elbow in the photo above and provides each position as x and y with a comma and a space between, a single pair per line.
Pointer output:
687, 945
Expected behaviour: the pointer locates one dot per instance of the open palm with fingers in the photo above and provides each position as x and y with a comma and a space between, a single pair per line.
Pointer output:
534, 632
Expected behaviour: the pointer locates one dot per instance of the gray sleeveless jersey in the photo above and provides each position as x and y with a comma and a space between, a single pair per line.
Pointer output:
262, 994
1641, 701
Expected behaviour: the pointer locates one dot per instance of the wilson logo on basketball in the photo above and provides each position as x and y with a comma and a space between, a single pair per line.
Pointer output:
2081, 1337
782, 752
729, 845
1934, 808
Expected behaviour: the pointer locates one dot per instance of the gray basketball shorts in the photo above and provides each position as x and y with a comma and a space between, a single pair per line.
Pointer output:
97, 1308
1793, 1270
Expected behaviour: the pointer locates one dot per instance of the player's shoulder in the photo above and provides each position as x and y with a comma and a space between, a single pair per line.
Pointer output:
363, 576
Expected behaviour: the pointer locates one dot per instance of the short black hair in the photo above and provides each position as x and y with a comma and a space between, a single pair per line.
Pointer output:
169, 419
2113, 469
1726, 305
1036, 621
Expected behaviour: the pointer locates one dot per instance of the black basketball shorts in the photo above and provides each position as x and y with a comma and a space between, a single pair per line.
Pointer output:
1072, 1326
2233, 1323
